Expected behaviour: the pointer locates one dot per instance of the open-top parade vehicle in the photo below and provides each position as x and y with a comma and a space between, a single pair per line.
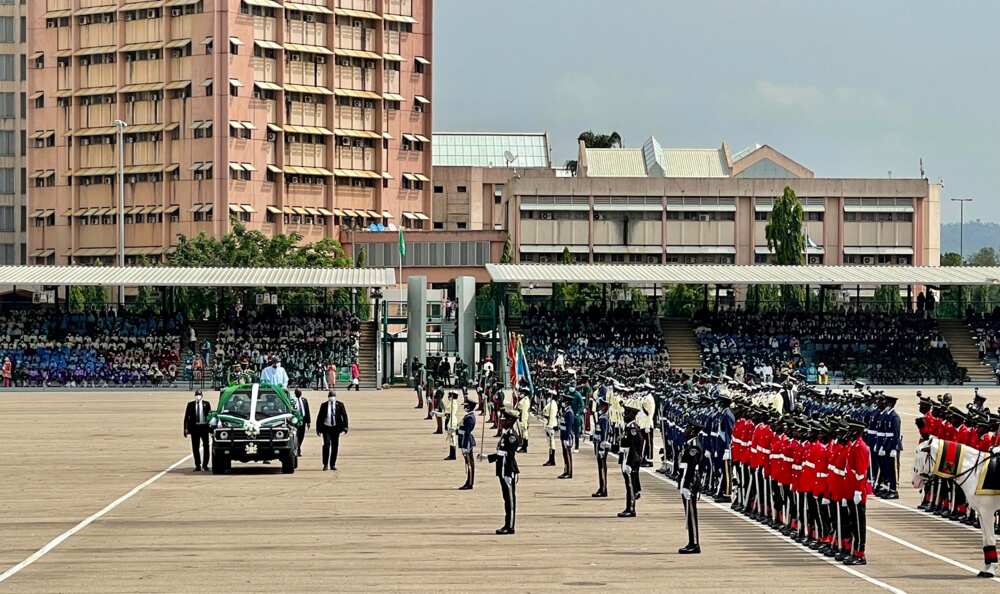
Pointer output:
254, 423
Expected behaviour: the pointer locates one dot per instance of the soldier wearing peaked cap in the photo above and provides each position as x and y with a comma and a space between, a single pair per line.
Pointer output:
567, 422
467, 443
630, 458
505, 460
689, 484
601, 437
550, 417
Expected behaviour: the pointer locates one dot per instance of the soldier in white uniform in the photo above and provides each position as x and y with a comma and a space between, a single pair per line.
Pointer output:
550, 416
647, 410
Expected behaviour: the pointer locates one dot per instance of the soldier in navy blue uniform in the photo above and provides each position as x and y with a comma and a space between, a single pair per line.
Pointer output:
506, 468
567, 424
689, 483
630, 458
601, 437
890, 445
724, 427
467, 443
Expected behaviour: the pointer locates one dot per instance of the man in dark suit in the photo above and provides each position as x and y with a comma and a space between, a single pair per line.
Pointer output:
196, 426
302, 405
330, 423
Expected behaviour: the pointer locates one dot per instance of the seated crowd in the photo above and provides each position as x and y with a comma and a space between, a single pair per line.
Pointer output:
306, 345
904, 348
617, 334
95, 348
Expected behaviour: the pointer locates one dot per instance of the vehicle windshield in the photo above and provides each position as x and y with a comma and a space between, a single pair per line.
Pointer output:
238, 405
269, 405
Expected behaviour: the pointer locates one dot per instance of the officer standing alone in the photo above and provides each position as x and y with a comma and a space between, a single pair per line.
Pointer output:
689, 483
467, 443
506, 468
196, 426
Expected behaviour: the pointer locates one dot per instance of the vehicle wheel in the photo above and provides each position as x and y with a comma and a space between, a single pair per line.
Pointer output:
219, 464
295, 457
288, 463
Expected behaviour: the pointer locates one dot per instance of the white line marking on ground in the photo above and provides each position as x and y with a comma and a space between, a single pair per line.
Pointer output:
924, 551
927, 515
907, 414
83, 524
801, 547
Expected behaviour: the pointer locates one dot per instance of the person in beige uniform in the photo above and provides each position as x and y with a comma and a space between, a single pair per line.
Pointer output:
550, 417
523, 408
452, 418
647, 409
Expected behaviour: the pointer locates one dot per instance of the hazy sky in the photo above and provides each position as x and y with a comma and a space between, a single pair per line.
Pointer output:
849, 88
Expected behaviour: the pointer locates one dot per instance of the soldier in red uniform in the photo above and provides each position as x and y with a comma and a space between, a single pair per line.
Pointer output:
838, 475
794, 455
857, 484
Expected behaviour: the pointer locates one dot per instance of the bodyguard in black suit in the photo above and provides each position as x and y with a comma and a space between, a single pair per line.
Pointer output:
302, 405
330, 423
196, 426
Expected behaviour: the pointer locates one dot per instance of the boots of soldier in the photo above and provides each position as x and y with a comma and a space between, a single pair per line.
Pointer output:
552, 459
524, 446
451, 453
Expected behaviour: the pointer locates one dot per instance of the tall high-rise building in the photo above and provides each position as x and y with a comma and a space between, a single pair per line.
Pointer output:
14, 219
308, 117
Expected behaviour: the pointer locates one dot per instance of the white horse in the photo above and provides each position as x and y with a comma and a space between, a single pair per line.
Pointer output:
966, 476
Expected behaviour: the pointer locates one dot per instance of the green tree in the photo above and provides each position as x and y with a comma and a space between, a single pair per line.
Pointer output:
887, 299
252, 249
951, 259
682, 300
363, 302
593, 139
787, 241
763, 298
508, 251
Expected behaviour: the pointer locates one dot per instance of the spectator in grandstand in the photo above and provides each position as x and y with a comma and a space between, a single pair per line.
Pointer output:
7, 372
823, 374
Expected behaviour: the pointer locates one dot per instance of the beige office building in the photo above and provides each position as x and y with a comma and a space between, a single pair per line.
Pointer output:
694, 206
310, 117
14, 216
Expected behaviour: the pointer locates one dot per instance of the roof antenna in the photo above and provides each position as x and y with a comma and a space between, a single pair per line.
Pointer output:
923, 174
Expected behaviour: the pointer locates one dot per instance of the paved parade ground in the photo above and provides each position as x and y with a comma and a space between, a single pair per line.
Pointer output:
390, 518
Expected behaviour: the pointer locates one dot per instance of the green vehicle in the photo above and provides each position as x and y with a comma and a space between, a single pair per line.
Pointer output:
254, 423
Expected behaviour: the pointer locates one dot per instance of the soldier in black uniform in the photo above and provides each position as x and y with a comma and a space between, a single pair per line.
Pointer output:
506, 468
601, 438
630, 459
467, 443
692, 457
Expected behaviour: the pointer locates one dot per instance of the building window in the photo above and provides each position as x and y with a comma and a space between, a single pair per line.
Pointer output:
438, 225
461, 225
439, 189
814, 216
761, 215
461, 189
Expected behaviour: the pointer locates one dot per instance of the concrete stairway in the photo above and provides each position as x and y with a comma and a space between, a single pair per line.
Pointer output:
368, 350
963, 349
679, 340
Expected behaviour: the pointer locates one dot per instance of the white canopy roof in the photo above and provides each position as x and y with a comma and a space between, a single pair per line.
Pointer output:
197, 277
669, 274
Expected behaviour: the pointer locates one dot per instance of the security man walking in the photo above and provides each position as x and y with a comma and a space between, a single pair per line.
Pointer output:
196, 426
331, 422
689, 484
302, 405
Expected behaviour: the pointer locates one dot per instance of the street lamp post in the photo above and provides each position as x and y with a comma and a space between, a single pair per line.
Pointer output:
961, 226
121, 203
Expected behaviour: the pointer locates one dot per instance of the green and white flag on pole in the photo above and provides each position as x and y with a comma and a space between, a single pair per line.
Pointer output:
402, 244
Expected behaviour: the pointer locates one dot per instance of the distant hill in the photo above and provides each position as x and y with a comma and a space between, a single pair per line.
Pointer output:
978, 235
